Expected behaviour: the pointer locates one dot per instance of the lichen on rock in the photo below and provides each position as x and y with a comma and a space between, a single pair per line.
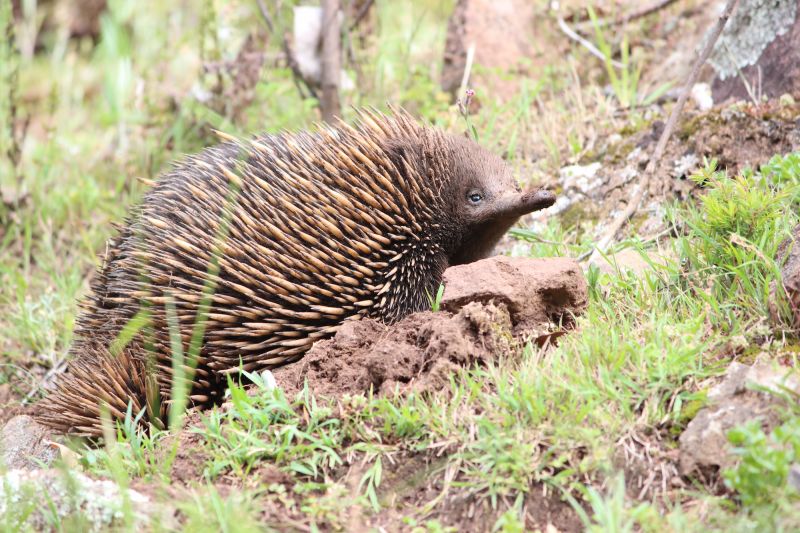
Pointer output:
752, 27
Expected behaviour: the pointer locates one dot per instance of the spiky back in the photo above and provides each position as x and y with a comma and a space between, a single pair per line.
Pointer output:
285, 237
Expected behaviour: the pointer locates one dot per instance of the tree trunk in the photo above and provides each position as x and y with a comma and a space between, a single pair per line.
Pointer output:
331, 60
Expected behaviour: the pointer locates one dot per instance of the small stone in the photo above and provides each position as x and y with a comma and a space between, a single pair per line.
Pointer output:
54, 494
582, 178
732, 403
701, 94
24, 443
686, 165
629, 260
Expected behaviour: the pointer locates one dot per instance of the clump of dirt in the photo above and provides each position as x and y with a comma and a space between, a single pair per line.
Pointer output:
417, 354
490, 308
536, 292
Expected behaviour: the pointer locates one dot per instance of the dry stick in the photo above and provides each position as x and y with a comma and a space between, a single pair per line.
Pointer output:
265, 15
297, 76
741, 75
624, 19
331, 61
658, 153
569, 32
362, 12
467, 70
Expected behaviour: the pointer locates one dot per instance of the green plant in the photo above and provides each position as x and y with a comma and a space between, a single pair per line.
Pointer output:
761, 475
624, 83
208, 511
734, 233
436, 301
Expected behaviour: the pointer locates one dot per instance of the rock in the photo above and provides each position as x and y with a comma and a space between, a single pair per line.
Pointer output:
754, 46
794, 477
789, 250
701, 95
580, 178
38, 500
733, 402
501, 32
533, 290
488, 309
629, 260
24, 443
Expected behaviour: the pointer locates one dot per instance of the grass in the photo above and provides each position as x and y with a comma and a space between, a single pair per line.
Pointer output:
635, 369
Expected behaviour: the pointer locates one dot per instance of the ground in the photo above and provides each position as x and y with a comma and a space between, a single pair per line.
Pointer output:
579, 431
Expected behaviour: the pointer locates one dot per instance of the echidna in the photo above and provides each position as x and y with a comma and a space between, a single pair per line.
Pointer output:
258, 248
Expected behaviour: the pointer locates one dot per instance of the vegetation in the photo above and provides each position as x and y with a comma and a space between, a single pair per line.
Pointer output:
86, 124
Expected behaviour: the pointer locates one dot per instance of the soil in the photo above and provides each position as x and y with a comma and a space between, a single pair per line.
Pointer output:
417, 354
489, 309
415, 480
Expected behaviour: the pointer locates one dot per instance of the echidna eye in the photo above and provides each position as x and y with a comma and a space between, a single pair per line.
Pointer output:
474, 197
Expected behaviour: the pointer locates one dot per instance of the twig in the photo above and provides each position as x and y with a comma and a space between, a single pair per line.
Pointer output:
741, 75
265, 15
297, 76
628, 17
585, 43
467, 69
57, 368
331, 61
362, 12
658, 153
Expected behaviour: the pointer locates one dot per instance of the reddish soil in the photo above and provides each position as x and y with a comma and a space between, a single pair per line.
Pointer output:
417, 354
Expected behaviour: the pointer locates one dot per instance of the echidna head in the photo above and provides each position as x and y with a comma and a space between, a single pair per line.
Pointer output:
485, 198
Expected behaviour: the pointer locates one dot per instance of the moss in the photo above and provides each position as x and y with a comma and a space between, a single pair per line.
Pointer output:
637, 221
577, 214
791, 347
590, 156
619, 152
689, 410
749, 355
636, 124
690, 126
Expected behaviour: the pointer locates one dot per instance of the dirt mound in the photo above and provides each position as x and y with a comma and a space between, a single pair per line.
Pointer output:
491, 307
418, 353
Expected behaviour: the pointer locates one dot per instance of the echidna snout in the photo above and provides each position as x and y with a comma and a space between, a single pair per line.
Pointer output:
488, 200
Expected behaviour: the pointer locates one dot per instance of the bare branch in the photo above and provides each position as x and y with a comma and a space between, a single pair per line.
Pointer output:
658, 153
297, 76
331, 61
569, 32
362, 12
628, 17
265, 15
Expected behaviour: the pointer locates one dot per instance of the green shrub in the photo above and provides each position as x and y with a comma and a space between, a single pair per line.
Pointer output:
764, 461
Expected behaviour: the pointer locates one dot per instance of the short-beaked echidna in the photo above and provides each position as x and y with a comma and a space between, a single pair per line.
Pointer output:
258, 248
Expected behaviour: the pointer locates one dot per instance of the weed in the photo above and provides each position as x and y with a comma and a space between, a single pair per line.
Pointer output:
624, 83
764, 461
208, 511
436, 301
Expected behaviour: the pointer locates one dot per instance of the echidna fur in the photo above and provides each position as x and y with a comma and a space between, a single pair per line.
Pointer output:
263, 247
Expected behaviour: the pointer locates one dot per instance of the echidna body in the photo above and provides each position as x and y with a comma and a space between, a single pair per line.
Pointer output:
257, 249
